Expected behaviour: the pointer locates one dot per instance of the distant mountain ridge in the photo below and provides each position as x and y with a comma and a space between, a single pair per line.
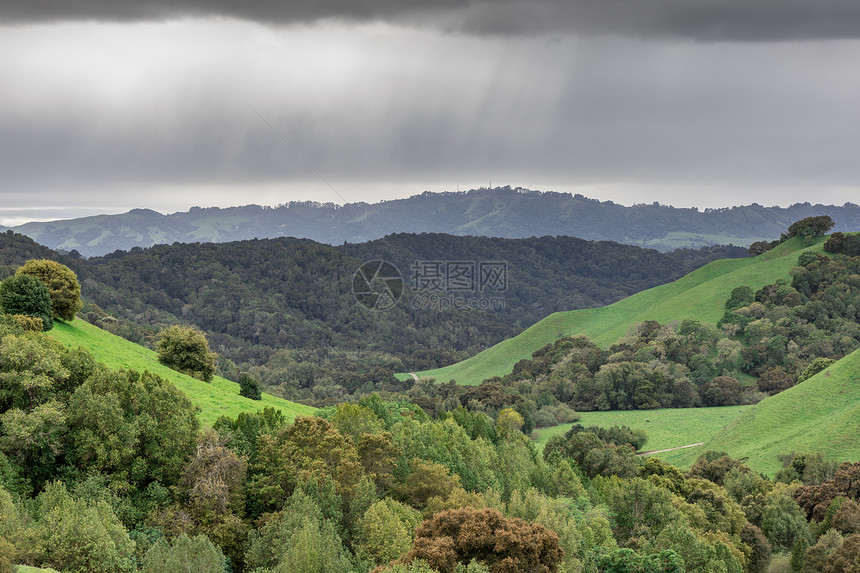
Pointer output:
500, 212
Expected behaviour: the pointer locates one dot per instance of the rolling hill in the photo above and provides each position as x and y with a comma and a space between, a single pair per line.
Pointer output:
498, 212
220, 397
699, 295
821, 414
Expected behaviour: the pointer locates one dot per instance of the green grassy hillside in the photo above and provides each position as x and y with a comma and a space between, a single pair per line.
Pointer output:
821, 414
220, 397
700, 295
666, 428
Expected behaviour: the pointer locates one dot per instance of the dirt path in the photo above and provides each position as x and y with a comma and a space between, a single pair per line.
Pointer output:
670, 449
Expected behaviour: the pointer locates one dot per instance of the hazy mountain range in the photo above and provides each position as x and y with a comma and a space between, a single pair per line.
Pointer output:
499, 212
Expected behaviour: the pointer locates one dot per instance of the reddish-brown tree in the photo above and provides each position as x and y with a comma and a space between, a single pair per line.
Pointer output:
504, 545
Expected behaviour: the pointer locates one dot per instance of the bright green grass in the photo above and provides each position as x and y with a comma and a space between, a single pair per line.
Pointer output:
821, 414
700, 295
220, 397
666, 428
28, 569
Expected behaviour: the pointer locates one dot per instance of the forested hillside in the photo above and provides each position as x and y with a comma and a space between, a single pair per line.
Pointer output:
285, 307
499, 212
547, 274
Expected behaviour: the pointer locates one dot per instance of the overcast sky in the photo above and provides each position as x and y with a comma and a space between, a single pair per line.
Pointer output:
107, 106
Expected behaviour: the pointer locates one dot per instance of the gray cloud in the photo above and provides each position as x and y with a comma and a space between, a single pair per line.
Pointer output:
410, 106
164, 114
707, 20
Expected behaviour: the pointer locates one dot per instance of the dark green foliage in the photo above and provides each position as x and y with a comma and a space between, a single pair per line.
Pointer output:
760, 548
843, 244
760, 247
256, 302
27, 295
615, 435
775, 379
489, 395
186, 350
721, 391
741, 296
249, 387
655, 366
62, 283
809, 227
714, 466
210, 499
593, 455
327, 333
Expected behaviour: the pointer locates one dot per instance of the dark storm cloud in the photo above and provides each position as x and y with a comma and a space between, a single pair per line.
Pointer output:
708, 20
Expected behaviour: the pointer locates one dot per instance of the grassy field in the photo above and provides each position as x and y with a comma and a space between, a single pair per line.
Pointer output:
821, 414
666, 428
28, 569
220, 397
700, 295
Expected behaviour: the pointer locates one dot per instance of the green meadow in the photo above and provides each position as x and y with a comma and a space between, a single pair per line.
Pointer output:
666, 428
821, 414
220, 397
